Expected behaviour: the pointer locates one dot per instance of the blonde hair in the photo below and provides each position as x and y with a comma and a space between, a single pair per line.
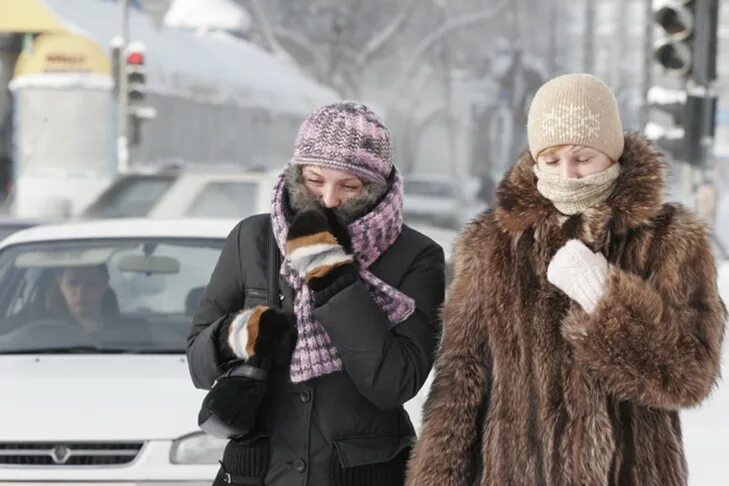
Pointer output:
557, 148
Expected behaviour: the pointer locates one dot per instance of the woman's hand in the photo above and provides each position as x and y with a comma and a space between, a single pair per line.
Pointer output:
262, 332
580, 273
319, 247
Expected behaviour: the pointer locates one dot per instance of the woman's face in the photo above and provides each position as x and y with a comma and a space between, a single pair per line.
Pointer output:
572, 161
332, 187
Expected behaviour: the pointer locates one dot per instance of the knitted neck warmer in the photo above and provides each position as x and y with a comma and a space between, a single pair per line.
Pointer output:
314, 354
572, 196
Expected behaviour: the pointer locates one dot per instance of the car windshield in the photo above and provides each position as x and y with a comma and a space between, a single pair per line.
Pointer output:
111, 295
131, 197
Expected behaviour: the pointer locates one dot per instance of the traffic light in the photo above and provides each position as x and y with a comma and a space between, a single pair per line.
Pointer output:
675, 20
683, 125
135, 71
687, 38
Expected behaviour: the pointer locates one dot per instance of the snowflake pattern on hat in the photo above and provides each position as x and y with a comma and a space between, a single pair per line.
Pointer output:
573, 120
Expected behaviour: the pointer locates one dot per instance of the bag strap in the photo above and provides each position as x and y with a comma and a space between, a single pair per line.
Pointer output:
273, 257
252, 372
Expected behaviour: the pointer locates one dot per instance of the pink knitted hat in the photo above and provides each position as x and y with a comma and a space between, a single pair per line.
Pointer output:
345, 136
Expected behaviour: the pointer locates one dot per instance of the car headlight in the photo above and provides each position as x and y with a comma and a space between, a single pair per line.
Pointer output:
197, 448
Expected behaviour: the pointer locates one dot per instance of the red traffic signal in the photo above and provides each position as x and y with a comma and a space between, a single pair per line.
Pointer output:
135, 58
135, 53
135, 71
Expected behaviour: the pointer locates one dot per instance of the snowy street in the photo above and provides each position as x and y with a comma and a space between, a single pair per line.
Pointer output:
706, 429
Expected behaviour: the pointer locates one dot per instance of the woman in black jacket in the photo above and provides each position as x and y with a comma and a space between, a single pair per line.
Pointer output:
356, 333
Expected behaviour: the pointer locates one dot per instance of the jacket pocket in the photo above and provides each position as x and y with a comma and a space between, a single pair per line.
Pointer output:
363, 461
244, 463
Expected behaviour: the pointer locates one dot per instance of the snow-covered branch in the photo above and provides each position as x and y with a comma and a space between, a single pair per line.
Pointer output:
304, 45
445, 29
380, 40
265, 27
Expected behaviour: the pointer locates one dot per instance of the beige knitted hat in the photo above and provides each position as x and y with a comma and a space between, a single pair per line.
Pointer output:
575, 109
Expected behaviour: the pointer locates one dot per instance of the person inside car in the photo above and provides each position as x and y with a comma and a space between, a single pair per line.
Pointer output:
82, 296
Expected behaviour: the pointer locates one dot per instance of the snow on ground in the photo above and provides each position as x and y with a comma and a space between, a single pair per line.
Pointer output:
445, 238
705, 429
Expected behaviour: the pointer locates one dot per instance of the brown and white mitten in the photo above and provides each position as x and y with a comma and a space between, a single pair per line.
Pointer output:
262, 332
317, 248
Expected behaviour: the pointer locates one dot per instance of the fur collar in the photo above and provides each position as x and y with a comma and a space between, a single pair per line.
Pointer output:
299, 199
636, 199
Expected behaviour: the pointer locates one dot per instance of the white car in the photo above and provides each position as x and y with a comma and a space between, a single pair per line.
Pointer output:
9, 225
175, 193
110, 402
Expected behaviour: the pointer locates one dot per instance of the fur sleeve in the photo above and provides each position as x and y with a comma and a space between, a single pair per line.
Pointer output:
443, 455
658, 341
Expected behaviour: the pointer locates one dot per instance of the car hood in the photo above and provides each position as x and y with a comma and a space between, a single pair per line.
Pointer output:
99, 397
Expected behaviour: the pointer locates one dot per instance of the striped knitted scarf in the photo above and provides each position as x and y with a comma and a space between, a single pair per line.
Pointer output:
314, 354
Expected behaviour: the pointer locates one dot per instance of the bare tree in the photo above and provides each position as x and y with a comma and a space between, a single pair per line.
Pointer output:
448, 27
399, 54
336, 41
386, 35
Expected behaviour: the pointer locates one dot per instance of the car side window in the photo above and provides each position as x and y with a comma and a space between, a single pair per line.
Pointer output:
133, 196
25, 292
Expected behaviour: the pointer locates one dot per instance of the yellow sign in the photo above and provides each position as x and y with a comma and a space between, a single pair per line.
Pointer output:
63, 53
27, 16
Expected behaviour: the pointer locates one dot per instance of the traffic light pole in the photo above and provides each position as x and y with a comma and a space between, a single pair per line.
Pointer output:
122, 138
702, 107
647, 61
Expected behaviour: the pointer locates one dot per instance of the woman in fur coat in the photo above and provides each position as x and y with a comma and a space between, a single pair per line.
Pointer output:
584, 315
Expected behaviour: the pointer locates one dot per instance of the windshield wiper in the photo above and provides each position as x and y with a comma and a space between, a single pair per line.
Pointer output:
91, 350
68, 350
159, 351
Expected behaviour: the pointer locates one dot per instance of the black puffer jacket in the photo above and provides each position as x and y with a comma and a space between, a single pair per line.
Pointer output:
342, 429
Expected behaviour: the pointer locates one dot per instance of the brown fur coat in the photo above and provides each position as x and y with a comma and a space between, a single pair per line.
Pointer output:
530, 389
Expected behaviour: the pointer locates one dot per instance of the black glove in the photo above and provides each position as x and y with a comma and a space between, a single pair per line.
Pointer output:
339, 229
260, 338
319, 248
276, 337
261, 335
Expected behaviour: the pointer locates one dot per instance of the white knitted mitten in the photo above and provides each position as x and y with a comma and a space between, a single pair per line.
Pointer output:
580, 273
